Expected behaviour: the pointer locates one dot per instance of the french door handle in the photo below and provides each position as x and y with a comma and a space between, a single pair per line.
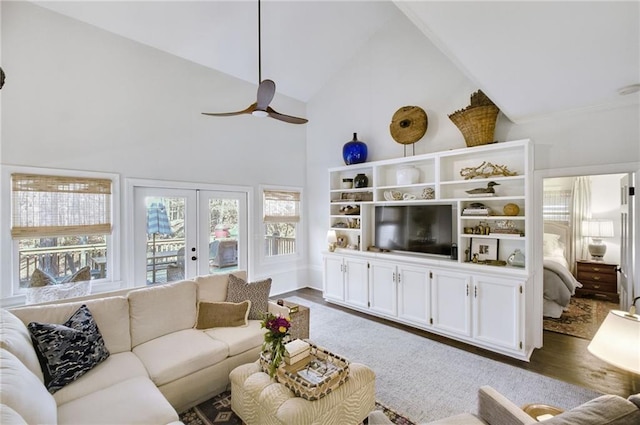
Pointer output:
194, 258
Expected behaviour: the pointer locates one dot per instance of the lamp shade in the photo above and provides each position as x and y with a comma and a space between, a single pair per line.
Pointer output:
618, 341
332, 237
597, 228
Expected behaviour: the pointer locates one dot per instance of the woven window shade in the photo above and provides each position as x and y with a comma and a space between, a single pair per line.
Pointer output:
281, 206
44, 206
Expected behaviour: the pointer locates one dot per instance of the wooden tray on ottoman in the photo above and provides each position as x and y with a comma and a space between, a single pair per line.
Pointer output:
314, 376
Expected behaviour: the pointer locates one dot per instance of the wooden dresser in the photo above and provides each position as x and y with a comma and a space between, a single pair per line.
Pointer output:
599, 279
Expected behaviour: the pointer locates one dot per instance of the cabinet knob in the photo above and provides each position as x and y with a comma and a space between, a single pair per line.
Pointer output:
596, 277
596, 286
596, 269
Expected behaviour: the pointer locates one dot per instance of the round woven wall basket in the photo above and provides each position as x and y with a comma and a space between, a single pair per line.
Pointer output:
476, 124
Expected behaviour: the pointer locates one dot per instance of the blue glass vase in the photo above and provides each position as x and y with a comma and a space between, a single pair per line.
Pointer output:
355, 151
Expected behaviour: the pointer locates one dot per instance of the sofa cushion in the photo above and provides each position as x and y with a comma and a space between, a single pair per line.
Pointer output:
603, 410
250, 337
15, 338
179, 354
222, 314
8, 416
161, 310
257, 292
117, 368
110, 313
69, 350
134, 401
22, 391
213, 287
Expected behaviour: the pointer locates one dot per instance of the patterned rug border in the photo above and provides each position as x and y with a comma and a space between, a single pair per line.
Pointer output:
220, 406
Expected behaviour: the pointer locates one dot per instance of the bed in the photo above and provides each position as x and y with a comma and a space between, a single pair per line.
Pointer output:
559, 284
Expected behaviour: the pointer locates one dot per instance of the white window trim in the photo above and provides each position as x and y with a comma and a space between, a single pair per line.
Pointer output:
300, 240
10, 292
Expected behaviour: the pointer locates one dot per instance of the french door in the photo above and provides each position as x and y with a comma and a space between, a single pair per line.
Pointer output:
182, 233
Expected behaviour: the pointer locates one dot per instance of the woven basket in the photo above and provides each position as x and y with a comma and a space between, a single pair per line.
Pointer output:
287, 374
477, 124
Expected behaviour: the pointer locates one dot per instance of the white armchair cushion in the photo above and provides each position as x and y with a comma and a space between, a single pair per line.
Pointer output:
15, 338
111, 315
8, 416
22, 391
134, 401
117, 368
161, 310
213, 288
179, 354
249, 337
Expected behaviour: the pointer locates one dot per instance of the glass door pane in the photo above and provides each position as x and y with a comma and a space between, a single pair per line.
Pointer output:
165, 226
223, 231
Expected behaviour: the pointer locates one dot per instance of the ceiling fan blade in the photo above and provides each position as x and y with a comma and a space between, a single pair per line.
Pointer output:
249, 110
266, 91
286, 118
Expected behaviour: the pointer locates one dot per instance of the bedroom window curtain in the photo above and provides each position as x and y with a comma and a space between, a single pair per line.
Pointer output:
581, 210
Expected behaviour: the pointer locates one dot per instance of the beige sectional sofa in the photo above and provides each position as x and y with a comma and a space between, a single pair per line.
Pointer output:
159, 364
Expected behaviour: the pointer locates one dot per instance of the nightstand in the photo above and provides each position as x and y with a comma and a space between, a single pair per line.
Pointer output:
599, 279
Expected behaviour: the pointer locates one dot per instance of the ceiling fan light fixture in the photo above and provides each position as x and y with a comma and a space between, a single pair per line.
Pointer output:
260, 114
630, 89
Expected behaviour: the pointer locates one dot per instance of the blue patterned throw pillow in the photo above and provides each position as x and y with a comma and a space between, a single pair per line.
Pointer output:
69, 350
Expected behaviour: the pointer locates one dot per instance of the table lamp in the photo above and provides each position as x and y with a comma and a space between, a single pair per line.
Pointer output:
617, 341
597, 229
332, 240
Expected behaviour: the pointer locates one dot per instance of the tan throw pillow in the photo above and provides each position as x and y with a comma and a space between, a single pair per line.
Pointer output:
256, 292
222, 314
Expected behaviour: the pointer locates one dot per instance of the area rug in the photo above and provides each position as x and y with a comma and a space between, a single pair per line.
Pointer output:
582, 318
427, 380
217, 411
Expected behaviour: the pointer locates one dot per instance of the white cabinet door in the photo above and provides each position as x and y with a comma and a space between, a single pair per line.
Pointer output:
356, 282
451, 302
414, 294
333, 284
382, 288
497, 310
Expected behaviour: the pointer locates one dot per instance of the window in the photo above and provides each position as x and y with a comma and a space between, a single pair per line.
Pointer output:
556, 205
281, 215
60, 224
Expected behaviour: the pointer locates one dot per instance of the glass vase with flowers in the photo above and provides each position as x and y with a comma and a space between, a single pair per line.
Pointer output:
275, 338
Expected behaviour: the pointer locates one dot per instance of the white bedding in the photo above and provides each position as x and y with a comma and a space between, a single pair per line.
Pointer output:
559, 283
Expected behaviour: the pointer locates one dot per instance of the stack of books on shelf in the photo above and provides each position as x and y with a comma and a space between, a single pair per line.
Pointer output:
476, 211
296, 350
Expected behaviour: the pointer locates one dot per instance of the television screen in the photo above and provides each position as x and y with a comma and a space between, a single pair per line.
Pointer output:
414, 228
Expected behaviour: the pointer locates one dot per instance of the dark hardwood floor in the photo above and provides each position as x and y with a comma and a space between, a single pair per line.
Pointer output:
562, 357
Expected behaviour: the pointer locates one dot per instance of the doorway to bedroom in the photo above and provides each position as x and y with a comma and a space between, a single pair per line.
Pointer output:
580, 289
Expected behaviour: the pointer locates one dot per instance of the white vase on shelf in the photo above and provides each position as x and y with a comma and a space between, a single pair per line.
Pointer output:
407, 175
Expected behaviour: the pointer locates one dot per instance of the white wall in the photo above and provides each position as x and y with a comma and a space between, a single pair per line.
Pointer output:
81, 98
399, 67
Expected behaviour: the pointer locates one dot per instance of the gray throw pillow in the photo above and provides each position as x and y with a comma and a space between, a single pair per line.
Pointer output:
68, 351
604, 410
239, 290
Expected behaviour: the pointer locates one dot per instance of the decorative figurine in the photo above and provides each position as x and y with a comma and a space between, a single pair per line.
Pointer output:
484, 191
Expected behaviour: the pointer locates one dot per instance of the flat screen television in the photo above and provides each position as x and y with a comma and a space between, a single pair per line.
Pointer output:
426, 229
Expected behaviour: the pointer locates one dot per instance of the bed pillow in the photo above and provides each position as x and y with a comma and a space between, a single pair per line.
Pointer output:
240, 290
222, 314
68, 351
551, 245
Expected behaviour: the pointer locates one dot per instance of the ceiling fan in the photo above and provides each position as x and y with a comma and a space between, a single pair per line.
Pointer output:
266, 91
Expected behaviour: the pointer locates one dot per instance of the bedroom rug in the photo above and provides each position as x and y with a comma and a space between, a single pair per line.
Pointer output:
582, 319
217, 411
427, 380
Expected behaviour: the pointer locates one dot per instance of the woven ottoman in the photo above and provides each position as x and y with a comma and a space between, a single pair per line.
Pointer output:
260, 400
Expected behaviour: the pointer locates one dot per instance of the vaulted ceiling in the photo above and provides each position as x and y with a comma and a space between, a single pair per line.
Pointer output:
533, 59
